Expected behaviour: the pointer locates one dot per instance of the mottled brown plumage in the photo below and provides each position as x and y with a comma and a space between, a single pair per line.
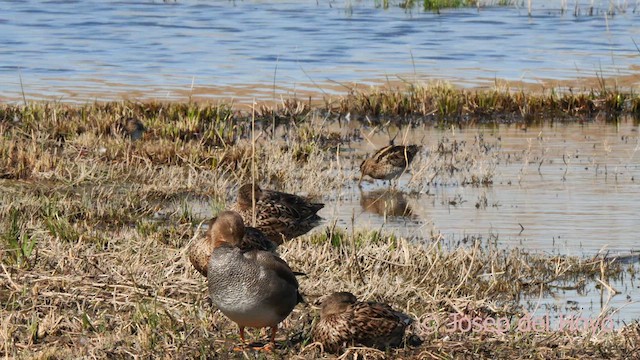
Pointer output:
389, 162
200, 250
132, 128
345, 321
281, 216
253, 288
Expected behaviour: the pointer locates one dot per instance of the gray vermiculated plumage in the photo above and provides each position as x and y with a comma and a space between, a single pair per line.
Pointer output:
253, 288
200, 250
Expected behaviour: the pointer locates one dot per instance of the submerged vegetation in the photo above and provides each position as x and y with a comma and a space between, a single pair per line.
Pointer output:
562, 7
431, 5
94, 227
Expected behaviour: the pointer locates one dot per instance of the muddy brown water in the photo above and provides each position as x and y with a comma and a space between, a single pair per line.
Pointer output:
569, 189
566, 188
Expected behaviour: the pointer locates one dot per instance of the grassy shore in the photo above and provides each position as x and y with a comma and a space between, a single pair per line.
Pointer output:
94, 228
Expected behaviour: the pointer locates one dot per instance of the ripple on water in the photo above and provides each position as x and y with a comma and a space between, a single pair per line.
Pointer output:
233, 43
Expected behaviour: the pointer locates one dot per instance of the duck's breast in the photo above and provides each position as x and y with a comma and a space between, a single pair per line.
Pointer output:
247, 292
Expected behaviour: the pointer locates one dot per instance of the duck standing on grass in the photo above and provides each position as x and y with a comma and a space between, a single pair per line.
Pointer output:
253, 288
132, 128
389, 162
200, 250
345, 321
281, 216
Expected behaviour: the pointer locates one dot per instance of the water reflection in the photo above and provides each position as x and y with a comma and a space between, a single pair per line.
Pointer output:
386, 203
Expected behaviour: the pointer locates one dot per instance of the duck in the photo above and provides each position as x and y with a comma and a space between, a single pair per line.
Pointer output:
253, 288
132, 128
280, 216
200, 250
345, 321
389, 162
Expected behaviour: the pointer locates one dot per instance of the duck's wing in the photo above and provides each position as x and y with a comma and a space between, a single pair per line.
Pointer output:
199, 254
279, 267
398, 155
378, 324
276, 264
298, 206
254, 239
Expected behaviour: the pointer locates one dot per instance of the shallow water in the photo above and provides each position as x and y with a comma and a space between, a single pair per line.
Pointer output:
86, 50
569, 189
562, 189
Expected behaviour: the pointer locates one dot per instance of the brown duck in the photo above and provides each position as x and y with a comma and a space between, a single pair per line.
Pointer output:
281, 216
253, 288
345, 321
200, 250
132, 128
389, 162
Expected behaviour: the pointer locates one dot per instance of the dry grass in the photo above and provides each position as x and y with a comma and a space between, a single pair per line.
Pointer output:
136, 295
94, 227
444, 104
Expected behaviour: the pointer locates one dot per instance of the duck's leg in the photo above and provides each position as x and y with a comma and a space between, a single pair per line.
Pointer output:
244, 342
242, 335
272, 340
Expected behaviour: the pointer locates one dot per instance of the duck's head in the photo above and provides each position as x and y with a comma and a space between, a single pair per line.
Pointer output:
246, 194
227, 228
133, 128
364, 169
336, 303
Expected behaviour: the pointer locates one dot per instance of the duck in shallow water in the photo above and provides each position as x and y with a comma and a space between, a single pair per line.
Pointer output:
281, 216
389, 162
253, 288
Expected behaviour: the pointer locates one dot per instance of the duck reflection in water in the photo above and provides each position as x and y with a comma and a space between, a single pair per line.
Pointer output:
385, 203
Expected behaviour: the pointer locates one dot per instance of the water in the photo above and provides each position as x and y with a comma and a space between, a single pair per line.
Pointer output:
86, 50
567, 189
564, 188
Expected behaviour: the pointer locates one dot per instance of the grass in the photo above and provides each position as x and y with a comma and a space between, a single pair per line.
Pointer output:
435, 5
57, 142
140, 297
94, 227
440, 102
